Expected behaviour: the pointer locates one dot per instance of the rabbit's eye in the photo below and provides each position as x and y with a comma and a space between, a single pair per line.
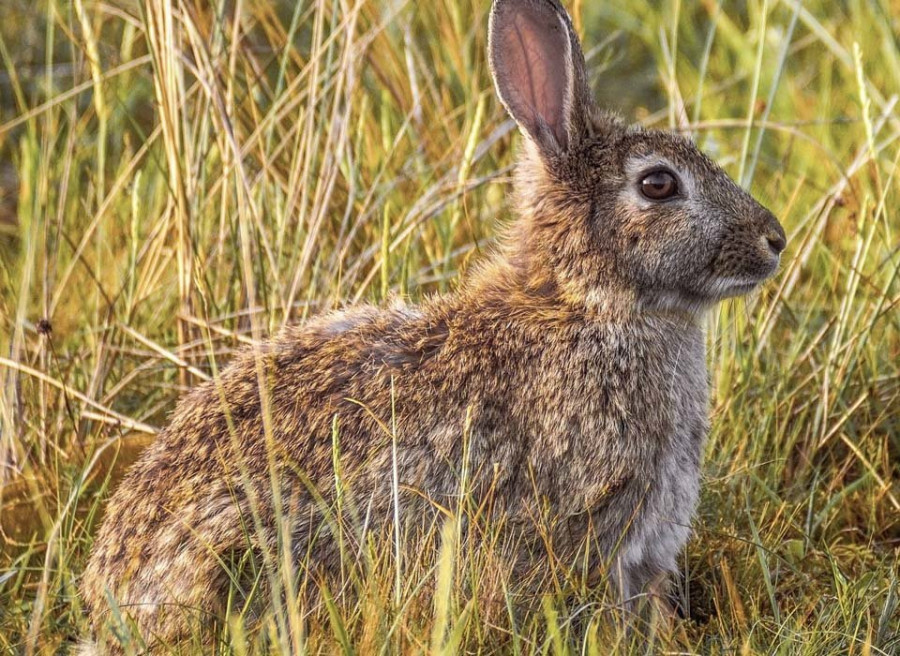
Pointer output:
659, 185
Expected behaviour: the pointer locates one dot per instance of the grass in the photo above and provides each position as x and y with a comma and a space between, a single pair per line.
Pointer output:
177, 180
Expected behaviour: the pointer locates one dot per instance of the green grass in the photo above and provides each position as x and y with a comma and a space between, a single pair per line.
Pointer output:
176, 181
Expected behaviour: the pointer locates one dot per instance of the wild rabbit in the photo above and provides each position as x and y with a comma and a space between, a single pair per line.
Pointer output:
571, 364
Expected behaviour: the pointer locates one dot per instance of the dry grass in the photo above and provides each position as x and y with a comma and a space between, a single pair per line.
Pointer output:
178, 179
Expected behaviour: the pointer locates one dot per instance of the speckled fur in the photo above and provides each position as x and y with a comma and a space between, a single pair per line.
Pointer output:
576, 352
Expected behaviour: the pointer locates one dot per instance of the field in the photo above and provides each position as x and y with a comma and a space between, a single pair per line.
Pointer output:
180, 179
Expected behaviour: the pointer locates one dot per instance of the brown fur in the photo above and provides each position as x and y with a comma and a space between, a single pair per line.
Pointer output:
575, 354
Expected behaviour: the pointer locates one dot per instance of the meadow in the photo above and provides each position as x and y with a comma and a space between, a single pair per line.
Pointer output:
179, 179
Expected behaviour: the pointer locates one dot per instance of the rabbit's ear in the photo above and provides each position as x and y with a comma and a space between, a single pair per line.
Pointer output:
538, 69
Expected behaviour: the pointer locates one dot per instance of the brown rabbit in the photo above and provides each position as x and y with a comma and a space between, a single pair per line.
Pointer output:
575, 357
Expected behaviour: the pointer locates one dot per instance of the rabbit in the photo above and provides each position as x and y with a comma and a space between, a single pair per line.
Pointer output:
570, 366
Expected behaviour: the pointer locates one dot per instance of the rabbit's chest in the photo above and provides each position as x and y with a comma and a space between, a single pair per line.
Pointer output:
666, 494
627, 454
626, 415
664, 508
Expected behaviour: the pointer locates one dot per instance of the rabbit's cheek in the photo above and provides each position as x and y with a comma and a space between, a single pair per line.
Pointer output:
677, 251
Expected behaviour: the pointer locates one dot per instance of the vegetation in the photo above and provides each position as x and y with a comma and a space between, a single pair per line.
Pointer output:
178, 179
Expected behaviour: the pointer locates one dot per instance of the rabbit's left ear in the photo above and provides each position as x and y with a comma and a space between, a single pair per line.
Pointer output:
539, 71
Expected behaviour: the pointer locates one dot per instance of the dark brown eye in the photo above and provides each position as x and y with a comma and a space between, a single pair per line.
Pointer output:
659, 185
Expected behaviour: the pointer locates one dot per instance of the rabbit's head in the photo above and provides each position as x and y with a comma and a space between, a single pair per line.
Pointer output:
614, 213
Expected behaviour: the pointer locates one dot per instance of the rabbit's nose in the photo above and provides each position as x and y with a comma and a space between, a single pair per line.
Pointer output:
775, 234
777, 242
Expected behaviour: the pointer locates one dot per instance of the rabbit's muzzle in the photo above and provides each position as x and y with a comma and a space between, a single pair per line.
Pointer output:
749, 254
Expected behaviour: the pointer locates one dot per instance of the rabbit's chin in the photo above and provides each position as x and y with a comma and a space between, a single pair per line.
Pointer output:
700, 301
733, 287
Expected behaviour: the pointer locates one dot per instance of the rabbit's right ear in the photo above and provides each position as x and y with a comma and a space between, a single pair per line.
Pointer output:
538, 69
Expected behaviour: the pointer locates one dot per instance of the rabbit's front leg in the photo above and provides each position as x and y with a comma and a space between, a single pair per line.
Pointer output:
649, 585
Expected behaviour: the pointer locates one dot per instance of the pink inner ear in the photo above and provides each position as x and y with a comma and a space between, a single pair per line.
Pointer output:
535, 46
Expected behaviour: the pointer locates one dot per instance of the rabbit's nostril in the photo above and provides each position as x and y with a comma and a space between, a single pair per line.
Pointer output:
776, 242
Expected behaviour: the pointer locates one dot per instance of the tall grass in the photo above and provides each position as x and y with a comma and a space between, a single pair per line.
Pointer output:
179, 179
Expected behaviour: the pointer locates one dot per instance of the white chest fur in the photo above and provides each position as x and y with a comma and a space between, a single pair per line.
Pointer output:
665, 510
